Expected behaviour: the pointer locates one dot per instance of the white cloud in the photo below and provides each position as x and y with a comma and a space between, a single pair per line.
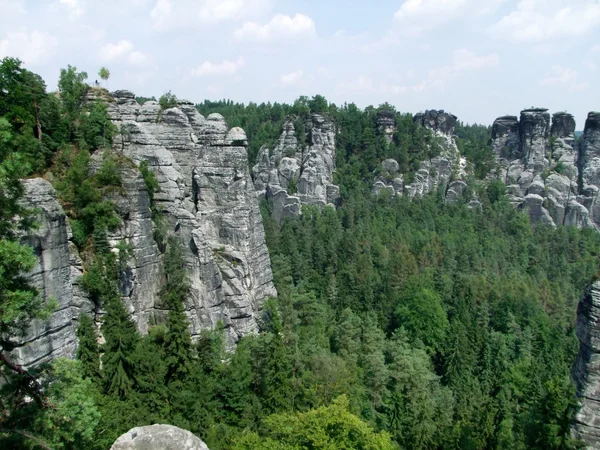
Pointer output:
595, 49
74, 7
542, 20
292, 78
559, 75
137, 58
111, 52
217, 10
279, 27
32, 48
226, 67
463, 60
123, 51
564, 76
416, 16
171, 14
161, 13
591, 65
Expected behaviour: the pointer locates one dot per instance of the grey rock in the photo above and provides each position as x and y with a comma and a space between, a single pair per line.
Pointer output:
390, 165
534, 129
586, 371
208, 201
55, 276
386, 124
311, 166
505, 138
533, 203
158, 437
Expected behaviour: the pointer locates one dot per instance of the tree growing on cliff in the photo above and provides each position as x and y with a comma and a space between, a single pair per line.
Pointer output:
104, 74
88, 352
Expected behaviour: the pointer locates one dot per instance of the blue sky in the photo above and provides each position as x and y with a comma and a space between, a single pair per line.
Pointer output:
478, 59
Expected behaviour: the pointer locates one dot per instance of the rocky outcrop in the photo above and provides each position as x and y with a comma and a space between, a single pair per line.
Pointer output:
389, 180
448, 166
589, 165
158, 437
206, 199
537, 160
56, 278
587, 368
386, 124
298, 172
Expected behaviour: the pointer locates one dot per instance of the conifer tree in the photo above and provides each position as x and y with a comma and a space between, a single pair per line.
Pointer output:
88, 352
178, 343
121, 338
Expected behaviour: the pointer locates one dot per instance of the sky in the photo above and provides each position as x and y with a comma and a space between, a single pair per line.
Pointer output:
478, 59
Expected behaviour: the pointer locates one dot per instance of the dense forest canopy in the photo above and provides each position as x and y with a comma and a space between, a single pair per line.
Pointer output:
398, 323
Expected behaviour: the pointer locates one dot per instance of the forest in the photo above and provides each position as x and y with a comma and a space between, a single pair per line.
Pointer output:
398, 324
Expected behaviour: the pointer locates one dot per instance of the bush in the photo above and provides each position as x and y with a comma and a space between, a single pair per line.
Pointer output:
167, 100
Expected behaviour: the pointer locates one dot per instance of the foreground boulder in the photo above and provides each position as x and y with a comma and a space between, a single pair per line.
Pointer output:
158, 437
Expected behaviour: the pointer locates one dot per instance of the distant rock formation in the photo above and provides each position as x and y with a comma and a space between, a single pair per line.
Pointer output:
207, 200
386, 124
297, 173
445, 171
158, 437
540, 164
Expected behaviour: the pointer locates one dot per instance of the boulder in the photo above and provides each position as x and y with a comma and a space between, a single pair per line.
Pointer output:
158, 437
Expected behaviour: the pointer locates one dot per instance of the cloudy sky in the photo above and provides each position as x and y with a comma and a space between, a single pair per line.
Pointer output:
476, 58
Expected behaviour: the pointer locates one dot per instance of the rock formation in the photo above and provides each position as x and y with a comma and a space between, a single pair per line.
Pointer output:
589, 165
587, 368
207, 200
445, 171
386, 124
158, 437
537, 160
55, 276
297, 173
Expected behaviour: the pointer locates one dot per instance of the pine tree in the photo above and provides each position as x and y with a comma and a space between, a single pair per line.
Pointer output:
121, 338
178, 343
88, 352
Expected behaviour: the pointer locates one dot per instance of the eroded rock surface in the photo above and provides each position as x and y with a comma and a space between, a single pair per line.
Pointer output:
587, 368
297, 173
55, 276
206, 199
537, 158
158, 437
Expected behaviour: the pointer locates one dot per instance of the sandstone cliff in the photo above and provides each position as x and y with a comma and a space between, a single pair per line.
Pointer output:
587, 368
297, 173
537, 159
207, 200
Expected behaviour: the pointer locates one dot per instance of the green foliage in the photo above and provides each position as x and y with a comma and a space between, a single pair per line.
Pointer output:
167, 100
327, 428
87, 351
95, 128
104, 74
150, 180
71, 420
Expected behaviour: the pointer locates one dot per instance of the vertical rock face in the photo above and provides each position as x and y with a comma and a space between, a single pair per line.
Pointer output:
297, 173
534, 129
536, 159
437, 173
55, 276
589, 165
505, 138
207, 200
587, 368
